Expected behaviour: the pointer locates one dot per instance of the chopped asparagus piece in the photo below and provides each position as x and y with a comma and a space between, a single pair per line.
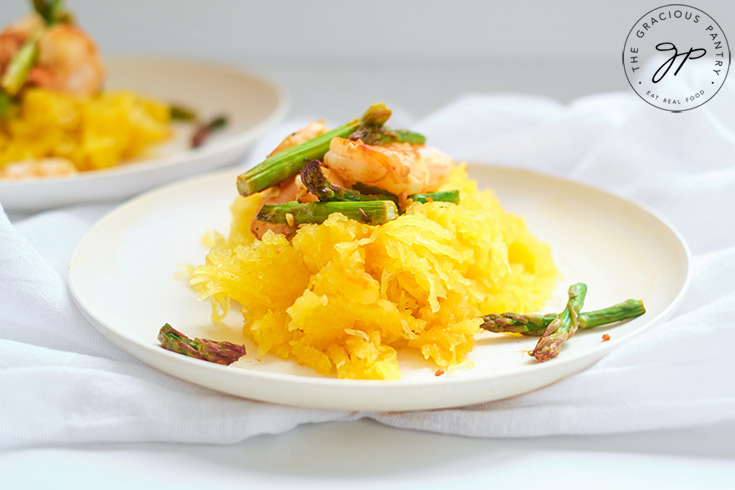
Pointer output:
630, 308
20, 65
279, 167
5, 105
224, 353
376, 115
52, 11
369, 189
562, 327
406, 136
205, 130
385, 135
446, 196
369, 212
536, 324
181, 113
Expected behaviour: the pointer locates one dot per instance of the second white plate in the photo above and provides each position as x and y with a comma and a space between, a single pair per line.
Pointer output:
122, 277
251, 103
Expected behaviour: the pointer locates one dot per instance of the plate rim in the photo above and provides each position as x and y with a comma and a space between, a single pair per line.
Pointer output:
283, 104
591, 354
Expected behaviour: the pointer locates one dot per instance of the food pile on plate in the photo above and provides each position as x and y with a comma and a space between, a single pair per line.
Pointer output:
348, 245
56, 119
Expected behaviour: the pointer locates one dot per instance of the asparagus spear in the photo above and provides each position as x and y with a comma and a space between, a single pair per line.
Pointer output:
563, 326
207, 350
5, 105
406, 136
385, 135
536, 324
446, 196
369, 212
181, 113
204, 130
369, 189
20, 65
52, 11
285, 164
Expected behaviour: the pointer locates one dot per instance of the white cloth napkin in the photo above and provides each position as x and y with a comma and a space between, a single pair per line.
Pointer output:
62, 382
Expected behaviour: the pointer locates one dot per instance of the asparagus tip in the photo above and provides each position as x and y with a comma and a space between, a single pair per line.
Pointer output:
203, 131
376, 115
224, 353
315, 180
563, 327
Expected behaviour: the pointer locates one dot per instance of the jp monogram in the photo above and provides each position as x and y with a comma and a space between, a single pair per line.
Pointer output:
676, 57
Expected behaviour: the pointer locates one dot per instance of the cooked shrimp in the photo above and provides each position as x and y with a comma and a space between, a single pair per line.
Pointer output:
310, 131
291, 189
399, 168
25, 26
68, 59
31, 169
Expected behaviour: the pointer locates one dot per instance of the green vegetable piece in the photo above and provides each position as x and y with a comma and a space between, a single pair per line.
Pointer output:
52, 11
20, 65
563, 327
224, 353
406, 136
369, 189
6, 104
285, 164
381, 136
369, 212
205, 130
536, 324
446, 196
181, 113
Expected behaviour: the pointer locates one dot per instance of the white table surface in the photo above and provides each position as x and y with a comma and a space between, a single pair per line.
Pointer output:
364, 453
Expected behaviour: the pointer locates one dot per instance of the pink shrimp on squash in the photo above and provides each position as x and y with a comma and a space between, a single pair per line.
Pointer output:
399, 168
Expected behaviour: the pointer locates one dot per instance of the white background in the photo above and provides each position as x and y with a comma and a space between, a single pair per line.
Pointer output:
335, 58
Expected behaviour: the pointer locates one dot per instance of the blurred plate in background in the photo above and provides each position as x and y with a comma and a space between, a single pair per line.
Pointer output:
251, 103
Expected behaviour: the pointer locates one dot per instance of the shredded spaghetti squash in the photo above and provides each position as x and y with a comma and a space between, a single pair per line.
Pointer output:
342, 296
91, 132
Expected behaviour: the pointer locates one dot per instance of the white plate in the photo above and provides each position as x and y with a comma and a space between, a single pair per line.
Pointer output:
122, 277
252, 104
